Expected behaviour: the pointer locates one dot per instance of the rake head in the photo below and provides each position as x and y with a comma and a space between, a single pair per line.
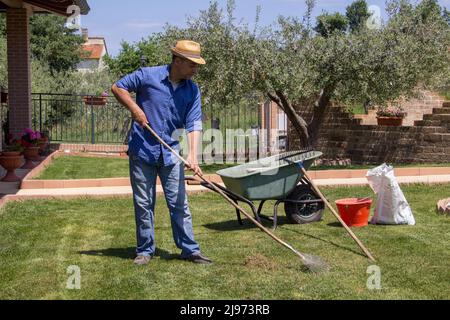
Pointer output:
315, 264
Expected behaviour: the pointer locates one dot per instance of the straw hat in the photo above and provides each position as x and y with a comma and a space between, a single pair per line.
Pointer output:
189, 50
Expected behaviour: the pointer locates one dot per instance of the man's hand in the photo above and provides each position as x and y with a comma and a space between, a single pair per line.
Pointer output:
139, 116
124, 97
193, 164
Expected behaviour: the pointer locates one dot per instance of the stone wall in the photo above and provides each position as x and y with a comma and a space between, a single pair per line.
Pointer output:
415, 107
344, 137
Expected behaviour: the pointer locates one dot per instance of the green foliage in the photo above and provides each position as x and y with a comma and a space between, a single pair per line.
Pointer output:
126, 62
71, 82
357, 14
328, 24
428, 9
53, 43
129, 58
371, 65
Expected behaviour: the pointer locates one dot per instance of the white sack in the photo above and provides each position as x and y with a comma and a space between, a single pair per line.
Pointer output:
392, 207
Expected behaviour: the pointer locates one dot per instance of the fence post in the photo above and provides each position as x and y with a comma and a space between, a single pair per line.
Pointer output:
40, 112
92, 124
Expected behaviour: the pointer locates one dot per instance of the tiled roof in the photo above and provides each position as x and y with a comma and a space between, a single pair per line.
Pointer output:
55, 6
93, 51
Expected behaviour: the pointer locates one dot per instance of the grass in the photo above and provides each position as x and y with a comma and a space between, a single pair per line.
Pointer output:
75, 167
40, 239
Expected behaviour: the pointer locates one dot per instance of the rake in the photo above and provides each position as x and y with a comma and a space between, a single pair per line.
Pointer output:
312, 263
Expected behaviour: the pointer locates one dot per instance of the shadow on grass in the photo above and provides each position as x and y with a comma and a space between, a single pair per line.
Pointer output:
232, 225
128, 253
329, 242
335, 224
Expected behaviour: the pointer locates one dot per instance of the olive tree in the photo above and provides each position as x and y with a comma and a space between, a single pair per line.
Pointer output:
296, 67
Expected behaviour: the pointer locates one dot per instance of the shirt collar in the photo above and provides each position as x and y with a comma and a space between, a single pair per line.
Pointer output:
166, 73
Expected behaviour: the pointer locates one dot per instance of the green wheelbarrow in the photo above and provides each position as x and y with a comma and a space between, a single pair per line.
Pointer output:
274, 178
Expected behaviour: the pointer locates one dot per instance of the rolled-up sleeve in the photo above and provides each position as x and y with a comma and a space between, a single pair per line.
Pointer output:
194, 113
131, 82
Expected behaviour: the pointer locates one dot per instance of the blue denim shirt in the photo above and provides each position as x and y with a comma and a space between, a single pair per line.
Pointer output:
167, 111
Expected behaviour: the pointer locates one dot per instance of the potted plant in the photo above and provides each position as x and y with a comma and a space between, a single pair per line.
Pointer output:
30, 142
13, 149
390, 115
99, 99
11, 159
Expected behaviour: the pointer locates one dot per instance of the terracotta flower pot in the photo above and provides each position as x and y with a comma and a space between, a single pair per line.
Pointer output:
10, 161
389, 121
95, 101
31, 154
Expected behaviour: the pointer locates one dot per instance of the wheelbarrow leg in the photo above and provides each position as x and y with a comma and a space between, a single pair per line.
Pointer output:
261, 206
238, 213
255, 213
275, 214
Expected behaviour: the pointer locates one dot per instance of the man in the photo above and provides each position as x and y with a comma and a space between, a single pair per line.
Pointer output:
167, 100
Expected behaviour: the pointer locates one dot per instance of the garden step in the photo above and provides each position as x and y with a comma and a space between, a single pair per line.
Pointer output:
441, 110
441, 117
427, 123
434, 129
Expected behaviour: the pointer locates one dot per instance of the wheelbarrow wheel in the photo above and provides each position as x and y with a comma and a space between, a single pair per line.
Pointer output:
300, 213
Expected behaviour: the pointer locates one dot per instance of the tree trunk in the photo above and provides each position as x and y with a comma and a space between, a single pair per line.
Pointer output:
307, 132
300, 125
319, 111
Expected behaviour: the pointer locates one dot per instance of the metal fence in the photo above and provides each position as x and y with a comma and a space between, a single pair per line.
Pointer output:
70, 118
81, 119
78, 118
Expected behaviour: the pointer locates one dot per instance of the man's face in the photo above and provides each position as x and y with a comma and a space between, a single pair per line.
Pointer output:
186, 68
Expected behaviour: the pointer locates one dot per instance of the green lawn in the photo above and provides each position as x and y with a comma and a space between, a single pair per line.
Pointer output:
76, 167
40, 239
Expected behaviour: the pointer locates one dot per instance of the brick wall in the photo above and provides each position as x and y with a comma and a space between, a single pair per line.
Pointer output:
101, 148
343, 137
19, 75
415, 108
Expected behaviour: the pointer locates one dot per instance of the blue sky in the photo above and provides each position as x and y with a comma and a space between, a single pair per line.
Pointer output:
137, 19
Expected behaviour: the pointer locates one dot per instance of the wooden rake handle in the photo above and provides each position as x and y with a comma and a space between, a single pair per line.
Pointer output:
316, 189
259, 225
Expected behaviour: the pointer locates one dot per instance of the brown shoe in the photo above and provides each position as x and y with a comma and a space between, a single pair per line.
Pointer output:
197, 258
142, 260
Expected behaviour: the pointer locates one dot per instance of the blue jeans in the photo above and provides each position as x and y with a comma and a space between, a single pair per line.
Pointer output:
143, 182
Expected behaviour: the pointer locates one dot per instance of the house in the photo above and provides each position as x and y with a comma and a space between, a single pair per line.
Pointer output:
18, 13
93, 52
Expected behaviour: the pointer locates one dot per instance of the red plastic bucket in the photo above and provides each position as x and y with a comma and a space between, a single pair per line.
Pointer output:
354, 211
